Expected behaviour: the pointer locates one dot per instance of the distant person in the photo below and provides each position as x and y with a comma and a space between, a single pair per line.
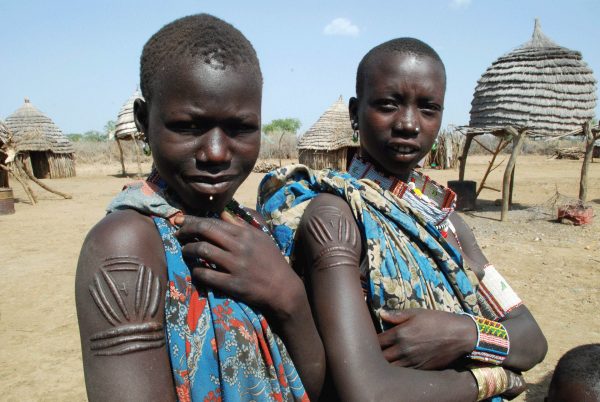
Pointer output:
577, 376
407, 305
181, 292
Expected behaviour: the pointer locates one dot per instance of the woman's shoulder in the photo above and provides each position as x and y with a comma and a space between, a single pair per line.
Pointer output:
122, 234
123, 227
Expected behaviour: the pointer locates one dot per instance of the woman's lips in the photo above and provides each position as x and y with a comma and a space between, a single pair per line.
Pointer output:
404, 152
210, 184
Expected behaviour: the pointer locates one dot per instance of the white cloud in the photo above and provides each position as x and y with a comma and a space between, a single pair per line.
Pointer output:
460, 3
341, 27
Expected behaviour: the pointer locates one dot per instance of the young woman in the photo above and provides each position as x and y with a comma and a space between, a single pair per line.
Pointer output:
385, 234
173, 283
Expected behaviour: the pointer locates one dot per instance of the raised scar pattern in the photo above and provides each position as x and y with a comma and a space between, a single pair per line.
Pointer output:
132, 329
337, 239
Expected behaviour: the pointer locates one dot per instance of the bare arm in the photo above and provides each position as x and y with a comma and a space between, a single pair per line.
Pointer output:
415, 342
120, 294
331, 247
528, 345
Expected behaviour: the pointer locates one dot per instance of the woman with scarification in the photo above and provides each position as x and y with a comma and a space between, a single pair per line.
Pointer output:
181, 292
439, 322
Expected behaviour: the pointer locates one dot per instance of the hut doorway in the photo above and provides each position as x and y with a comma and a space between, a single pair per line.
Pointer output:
3, 173
39, 164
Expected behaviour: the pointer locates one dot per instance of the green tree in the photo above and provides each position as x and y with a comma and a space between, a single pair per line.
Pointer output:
94, 136
281, 128
74, 137
109, 128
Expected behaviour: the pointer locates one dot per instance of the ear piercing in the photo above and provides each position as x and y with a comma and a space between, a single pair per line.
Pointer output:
210, 198
354, 131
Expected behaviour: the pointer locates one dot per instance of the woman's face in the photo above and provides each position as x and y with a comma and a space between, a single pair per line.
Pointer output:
400, 110
203, 125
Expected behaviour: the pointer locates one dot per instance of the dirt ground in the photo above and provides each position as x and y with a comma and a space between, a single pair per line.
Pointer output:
555, 268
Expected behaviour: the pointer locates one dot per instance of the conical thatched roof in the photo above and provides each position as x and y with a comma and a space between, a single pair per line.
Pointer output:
3, 133
540, 85
332, 131
125, 124
34, 131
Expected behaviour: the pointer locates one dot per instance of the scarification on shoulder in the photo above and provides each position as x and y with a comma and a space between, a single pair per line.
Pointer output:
336, 236
130, 312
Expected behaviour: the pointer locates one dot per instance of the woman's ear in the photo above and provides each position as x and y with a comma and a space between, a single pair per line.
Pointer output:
140, 115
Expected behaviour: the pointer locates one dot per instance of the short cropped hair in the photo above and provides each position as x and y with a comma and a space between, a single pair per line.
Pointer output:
579, 365
204, 37
399, 45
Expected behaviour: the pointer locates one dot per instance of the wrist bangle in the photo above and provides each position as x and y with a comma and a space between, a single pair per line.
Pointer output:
491, 381
492, 344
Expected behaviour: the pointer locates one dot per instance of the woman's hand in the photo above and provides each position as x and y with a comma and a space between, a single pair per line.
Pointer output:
250, 267
426, 339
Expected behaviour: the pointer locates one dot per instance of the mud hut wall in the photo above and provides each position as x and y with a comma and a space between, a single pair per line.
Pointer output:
336, 159
48, 165
61, 165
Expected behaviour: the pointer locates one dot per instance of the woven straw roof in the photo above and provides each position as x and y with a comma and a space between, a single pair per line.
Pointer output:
540, 85
3, 133
332, 131
34, 131
125, 122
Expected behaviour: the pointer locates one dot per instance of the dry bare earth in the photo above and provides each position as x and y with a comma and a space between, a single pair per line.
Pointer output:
555, 268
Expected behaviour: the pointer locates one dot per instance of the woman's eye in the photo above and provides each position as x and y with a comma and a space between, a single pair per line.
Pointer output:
386, 106
183, 126
430, 109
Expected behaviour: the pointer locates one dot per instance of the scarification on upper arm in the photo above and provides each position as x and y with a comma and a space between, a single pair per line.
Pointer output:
336, 238
130, 312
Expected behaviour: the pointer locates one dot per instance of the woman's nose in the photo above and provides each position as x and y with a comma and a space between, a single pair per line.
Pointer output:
214, 147
407, 122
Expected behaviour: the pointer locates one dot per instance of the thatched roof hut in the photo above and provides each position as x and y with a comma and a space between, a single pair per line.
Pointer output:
3, 140
41, 145
540, 85
125, 127
126, 130
328, 143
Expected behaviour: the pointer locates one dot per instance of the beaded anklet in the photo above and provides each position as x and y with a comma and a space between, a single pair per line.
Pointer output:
491, 381
492, 341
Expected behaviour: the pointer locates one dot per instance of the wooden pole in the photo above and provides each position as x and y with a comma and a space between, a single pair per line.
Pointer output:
17, 177
123, 172
45, 187
137, 154
463, 158
589, 148
501, 145
512, 185
518, 139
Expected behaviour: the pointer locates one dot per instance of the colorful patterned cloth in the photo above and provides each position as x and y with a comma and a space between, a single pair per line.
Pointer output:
410, 264
220, 349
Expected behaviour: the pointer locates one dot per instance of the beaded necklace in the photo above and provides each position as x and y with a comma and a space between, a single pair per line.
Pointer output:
434, 201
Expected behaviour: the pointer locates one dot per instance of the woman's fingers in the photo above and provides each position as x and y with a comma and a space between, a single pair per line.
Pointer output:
216, 231
220, 281
208, 252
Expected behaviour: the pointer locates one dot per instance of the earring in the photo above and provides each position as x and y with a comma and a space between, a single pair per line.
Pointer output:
146, 146
355, 132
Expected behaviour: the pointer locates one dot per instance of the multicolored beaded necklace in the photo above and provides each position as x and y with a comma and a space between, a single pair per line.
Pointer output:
434, 201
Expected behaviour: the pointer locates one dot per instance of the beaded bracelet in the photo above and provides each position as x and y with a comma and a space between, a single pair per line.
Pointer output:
491, 381
492, 341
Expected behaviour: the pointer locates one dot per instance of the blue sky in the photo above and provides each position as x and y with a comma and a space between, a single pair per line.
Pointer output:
78, 60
